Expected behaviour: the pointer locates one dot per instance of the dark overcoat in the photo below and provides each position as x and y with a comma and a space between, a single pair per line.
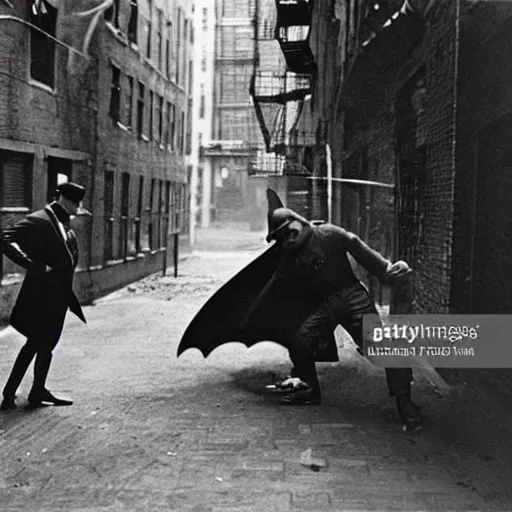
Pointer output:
44, 297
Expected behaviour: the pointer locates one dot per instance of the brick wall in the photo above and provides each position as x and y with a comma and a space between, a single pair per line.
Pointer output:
433, 275
74, 122
33, 113
375, 135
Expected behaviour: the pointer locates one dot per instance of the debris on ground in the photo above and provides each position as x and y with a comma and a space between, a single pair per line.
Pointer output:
314, 463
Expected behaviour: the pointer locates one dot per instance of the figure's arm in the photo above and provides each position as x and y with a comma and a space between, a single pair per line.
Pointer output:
18, 244
369, 258
372, 260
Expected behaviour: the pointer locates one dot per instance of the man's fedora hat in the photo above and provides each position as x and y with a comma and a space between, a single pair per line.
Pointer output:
71, 191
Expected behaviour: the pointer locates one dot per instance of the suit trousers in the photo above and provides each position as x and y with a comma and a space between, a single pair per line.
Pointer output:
346, 308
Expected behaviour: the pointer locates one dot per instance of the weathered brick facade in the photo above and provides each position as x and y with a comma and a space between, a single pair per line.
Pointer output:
87, 123
369, 142
423, 102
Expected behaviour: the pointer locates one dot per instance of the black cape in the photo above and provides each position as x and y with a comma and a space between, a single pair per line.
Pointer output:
240, 312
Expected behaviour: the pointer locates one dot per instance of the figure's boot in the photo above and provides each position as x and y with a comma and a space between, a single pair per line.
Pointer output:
309, 392
18, 371
409, 413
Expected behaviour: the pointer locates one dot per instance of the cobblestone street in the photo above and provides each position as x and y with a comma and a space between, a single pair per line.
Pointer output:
150, 432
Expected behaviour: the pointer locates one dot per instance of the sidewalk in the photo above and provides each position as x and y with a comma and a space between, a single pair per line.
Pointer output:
150, 432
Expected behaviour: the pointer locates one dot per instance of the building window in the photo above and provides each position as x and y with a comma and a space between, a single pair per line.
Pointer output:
112, 14
138, 217
109, 215
160, 212
167, 198
237, 8
184, 49
182, 133
42, 49
115, 94
202, 103
200, 148
15, 180
178, 206
159, 39
129, 103
190, 77
178, 131
178, 48
203, 59
188, 140
161, 119
168, 49
133, 22
152, 218
171, 130
151, 114
125, 214
149, 34
205, 19
140, 111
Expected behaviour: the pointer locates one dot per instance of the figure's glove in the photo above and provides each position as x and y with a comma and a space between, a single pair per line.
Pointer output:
397, 270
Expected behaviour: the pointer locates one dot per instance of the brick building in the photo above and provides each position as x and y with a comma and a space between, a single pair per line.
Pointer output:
99, 94
414, 98
235, 129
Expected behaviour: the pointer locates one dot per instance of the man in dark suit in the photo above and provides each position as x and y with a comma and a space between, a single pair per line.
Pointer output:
45, 245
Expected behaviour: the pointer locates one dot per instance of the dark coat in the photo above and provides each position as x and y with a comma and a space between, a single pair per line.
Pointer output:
270, 298
44, 297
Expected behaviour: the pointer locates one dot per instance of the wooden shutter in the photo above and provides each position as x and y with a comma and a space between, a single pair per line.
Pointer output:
16, 179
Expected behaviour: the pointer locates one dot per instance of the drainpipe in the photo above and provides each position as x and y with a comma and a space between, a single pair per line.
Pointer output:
328, 159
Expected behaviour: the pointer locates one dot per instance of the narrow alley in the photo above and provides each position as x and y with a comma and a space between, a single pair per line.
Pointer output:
152, 432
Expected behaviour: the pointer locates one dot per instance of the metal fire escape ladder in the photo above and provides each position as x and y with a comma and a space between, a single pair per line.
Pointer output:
279, 93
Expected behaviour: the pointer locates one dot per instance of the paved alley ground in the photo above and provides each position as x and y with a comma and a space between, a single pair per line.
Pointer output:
150, 432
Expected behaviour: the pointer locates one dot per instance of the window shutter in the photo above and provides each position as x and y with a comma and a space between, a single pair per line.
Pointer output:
16, 180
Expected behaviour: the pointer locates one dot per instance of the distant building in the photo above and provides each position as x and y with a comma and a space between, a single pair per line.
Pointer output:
104, 101
201, 182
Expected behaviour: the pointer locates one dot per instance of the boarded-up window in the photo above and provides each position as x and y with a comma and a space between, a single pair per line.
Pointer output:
15, 180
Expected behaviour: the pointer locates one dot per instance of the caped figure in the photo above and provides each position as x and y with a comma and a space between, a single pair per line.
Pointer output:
46, 246
296, 293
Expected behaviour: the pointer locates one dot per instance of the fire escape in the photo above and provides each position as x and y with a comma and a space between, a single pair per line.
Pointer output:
279, 92
292, 32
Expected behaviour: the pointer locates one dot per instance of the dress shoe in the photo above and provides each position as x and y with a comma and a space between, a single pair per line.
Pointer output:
307, 396
8, 403
409, 413
45, 397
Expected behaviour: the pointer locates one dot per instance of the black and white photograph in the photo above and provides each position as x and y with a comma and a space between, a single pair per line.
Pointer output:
255, 255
